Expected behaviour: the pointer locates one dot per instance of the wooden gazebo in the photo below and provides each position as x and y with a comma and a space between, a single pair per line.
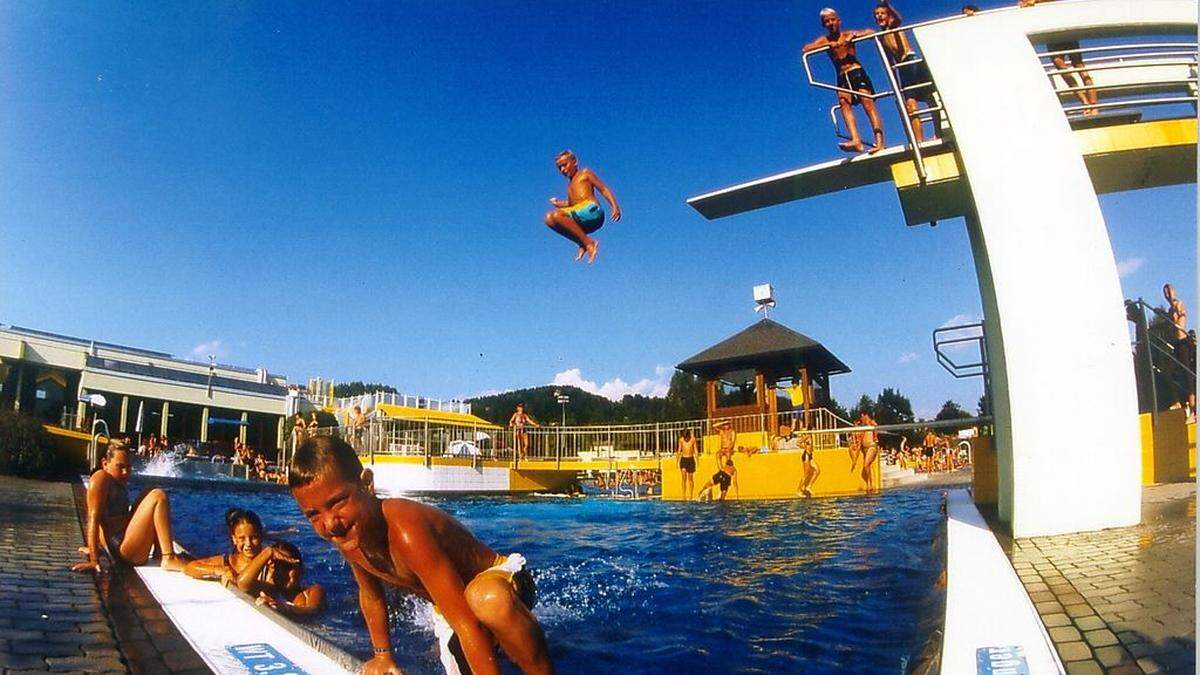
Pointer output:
742, 372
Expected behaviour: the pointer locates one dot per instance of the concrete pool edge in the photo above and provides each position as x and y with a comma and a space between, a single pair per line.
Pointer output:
989, 615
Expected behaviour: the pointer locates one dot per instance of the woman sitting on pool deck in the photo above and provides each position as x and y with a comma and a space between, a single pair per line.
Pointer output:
264, 572
127, 534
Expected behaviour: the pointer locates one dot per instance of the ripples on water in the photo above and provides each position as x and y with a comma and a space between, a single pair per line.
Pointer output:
827, 585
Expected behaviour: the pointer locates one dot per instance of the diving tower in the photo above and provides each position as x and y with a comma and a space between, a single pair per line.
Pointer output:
1024, 169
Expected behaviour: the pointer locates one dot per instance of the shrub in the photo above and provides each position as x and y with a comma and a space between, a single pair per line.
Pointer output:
27, 449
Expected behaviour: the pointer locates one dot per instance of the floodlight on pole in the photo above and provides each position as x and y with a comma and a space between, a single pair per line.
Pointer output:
764, 298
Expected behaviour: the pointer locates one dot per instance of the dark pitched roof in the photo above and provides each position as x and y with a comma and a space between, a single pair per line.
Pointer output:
768, 346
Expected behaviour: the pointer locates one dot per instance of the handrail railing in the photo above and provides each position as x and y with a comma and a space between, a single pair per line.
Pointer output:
1156, 345
941, 344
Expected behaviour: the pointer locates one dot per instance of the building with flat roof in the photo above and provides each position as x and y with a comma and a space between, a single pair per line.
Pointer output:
145, 391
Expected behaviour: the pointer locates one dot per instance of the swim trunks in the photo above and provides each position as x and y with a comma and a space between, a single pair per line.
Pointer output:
856, 79
1067, 46
688, 464
806, 455
512, 568
722, 480
587, 214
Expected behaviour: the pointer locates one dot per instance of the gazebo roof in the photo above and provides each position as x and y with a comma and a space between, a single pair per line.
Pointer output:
767, 346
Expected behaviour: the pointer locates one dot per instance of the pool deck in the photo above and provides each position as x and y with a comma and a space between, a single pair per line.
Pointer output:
51, 619
1121, 600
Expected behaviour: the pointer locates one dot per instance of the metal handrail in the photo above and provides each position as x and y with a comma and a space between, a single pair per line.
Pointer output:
959, 370
1113, 48
1132, 104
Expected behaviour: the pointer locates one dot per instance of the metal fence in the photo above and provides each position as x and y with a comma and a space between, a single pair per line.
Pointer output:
421, 438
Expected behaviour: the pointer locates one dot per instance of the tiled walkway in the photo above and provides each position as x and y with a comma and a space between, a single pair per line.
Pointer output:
1120, 600
51, 618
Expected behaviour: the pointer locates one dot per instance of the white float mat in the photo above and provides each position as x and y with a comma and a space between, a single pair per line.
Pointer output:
991, 624
230, 634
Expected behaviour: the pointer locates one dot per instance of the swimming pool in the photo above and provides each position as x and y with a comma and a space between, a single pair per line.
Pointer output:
830, 585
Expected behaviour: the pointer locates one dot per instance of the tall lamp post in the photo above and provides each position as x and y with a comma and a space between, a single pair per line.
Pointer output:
563, 400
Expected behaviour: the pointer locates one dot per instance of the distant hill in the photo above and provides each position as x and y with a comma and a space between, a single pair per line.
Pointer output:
684, 400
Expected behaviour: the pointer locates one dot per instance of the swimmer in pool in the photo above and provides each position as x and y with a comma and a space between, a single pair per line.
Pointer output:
284, 592
127, 534
479, 598
580, 214
721, 480
250, 564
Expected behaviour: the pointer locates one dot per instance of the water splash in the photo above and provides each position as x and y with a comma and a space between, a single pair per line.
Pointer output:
166, 465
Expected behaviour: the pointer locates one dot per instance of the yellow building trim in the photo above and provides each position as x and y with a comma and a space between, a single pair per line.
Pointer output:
939, 167
1166, 454
1137, 136
773, 475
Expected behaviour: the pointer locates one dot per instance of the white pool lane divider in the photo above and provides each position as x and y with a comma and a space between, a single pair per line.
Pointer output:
992, 627
235, 637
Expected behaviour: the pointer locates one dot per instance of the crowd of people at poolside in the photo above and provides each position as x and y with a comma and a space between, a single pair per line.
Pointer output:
240, 454
935, 454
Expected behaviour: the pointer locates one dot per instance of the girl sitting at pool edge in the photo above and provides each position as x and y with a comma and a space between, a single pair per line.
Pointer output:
264, 572
127, 534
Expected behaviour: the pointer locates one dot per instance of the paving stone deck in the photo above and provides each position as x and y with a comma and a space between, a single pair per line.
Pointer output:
1122, 600
51, 619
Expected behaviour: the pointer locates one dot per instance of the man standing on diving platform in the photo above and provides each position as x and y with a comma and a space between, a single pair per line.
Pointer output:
850, 76
580, 214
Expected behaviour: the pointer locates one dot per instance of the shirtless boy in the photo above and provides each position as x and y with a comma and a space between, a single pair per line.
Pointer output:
127, 534
480, 598
727, 438
686, 450
720, 480
851, 75
580, 214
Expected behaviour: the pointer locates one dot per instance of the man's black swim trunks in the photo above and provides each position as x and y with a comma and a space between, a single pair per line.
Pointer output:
688, 464
722, 480
856, 79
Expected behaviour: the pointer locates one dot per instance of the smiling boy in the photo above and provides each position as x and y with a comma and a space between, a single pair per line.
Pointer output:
480, 598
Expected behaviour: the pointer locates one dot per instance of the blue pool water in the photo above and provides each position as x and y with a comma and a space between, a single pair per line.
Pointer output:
828, 585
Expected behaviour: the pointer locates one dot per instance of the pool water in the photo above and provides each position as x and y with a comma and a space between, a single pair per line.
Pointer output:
828, 585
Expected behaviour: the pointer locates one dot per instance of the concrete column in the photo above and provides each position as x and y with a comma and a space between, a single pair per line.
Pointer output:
204, 424
1064, 396
124, 413
279, 434
20, 386
242, 432
166, 417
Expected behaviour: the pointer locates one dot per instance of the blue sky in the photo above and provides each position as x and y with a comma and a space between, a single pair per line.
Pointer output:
356, 191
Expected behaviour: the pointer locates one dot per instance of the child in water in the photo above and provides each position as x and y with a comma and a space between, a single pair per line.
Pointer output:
479, 598
258, 570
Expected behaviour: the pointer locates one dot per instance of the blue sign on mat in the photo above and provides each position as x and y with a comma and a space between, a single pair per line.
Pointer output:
262, 658
1001, 661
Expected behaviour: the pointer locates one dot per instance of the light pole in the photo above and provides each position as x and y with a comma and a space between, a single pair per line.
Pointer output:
563, 400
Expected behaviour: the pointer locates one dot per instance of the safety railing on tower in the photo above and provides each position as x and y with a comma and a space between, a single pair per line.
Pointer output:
1129, 75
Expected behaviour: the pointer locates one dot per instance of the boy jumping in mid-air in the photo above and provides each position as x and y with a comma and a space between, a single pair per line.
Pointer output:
850, 75
580, 214
479, 598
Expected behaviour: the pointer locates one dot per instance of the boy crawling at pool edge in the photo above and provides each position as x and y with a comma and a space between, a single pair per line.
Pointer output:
479, 598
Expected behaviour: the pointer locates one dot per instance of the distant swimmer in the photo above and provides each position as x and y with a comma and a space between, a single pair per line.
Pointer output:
127, 534
721, 481
850, 75
520, 436
686, 451
580, 214
1070, 51
869, 446
479, 598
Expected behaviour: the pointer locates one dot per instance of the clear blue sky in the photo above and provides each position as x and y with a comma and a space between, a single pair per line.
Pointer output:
356, 191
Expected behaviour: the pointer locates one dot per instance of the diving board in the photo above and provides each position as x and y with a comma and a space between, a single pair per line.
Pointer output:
818, 179
232, 636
